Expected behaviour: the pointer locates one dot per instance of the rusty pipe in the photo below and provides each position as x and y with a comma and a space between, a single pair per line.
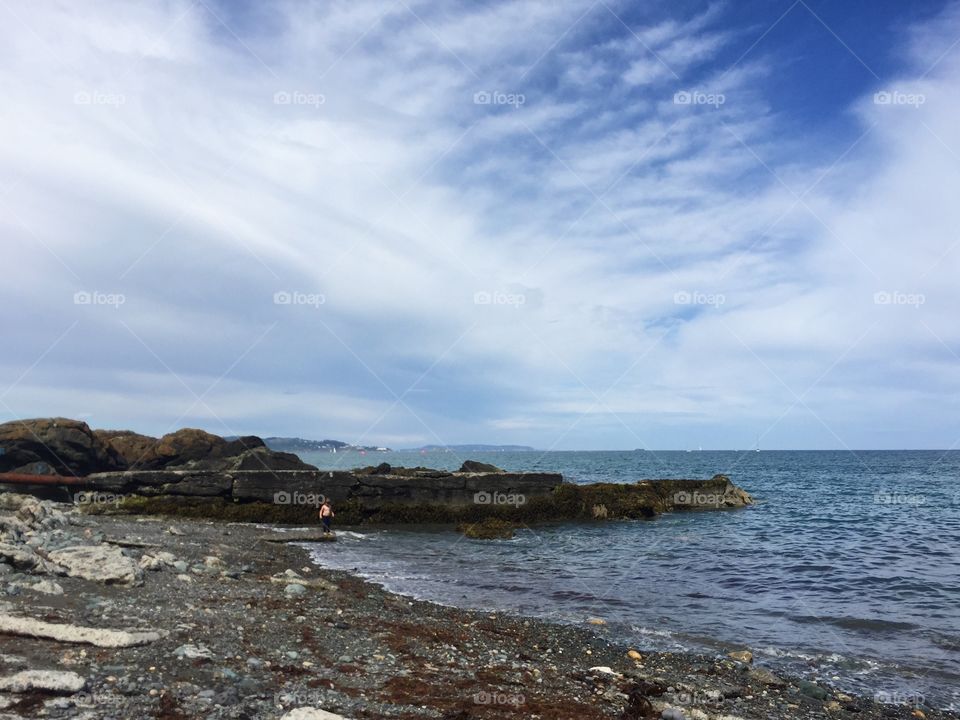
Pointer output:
27, 479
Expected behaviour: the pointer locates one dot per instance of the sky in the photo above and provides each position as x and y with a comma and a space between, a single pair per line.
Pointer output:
571, 224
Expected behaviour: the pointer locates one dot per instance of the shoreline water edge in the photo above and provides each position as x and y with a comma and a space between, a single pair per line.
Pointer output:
142, 616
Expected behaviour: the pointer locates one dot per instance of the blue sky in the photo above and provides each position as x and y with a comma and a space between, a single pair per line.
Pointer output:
574, 225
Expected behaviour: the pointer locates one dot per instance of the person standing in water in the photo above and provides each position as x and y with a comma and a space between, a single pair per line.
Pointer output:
326, 516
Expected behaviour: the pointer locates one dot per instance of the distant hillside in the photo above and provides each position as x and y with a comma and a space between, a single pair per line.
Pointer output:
476, 448
300, 445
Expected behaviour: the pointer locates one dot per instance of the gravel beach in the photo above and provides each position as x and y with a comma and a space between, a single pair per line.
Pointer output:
219, 622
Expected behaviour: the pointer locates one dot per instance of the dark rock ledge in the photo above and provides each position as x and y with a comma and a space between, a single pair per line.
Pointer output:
192, 473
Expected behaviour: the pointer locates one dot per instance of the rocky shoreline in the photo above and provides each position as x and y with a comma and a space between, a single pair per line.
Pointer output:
149, 617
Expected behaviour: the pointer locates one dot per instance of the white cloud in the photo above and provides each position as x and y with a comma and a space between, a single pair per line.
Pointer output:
185, 186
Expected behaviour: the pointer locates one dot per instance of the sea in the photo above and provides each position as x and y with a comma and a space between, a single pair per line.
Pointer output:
847, 569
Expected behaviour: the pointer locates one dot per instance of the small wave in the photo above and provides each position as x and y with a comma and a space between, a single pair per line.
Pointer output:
854, 623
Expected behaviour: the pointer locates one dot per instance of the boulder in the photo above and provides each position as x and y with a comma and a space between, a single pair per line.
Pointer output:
184, 447
54, 446
198, 450
262, 458
472, 466
98, 562
133, 448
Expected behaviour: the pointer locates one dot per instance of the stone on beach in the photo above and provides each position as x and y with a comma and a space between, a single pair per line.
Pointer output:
53, 681
30, 627
312, 714
103, 564
744, 656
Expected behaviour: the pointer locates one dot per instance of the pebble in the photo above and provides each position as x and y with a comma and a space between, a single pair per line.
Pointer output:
634, 655
744, 656
293, 590
671, 713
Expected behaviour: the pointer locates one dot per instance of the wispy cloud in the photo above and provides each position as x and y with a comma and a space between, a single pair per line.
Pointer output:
532, 203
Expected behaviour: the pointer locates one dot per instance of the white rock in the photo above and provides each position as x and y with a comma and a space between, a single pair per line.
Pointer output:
47, 587
48, 680
102, 563
192, 652
605, 670
150, 562
29, 627
311, 714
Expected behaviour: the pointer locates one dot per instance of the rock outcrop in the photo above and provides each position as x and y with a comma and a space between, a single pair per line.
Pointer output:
54, 446
58, 446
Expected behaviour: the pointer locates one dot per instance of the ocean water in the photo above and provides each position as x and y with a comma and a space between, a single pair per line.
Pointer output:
847, 569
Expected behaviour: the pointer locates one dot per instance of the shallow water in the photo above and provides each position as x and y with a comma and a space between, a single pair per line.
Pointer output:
846, 569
